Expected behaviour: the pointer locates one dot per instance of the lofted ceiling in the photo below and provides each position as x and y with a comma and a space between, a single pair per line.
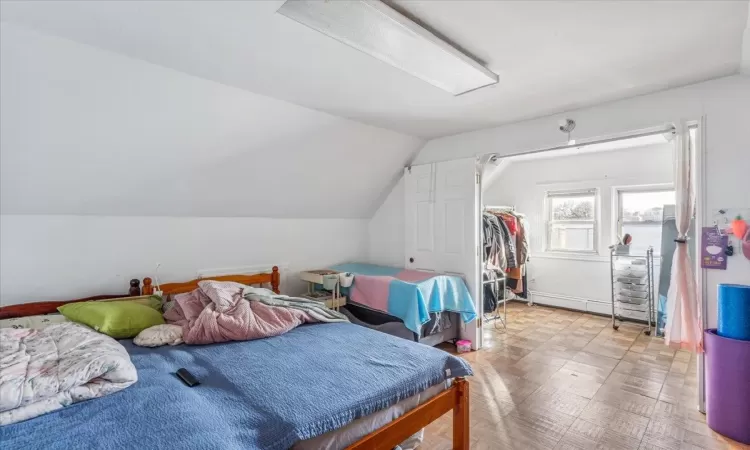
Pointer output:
550, 55
88, 132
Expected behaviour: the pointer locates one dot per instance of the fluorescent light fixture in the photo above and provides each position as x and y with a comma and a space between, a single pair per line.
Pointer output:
374, 28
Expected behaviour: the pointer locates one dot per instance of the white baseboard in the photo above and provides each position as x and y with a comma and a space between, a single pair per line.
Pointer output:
570, 302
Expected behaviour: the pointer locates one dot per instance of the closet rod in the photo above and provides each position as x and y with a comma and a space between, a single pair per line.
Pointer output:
600, 141
502, 208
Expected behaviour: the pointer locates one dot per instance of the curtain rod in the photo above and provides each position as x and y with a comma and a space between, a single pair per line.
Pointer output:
623, 137
599, 141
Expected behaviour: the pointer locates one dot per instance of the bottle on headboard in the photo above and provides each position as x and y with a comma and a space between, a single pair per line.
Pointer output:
135, 287
148, 288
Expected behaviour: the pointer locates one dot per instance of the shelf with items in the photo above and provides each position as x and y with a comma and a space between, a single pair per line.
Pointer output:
324, 286
632, 286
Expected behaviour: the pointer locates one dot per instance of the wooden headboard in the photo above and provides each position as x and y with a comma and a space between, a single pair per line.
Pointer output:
32, 309
272, 278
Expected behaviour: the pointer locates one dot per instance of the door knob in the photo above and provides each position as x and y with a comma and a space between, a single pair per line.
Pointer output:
411, 260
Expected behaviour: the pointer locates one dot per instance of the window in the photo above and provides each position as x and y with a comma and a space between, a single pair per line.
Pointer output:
640, 214
571, 224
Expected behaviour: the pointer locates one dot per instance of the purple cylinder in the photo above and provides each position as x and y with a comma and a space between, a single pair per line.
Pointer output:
728, 386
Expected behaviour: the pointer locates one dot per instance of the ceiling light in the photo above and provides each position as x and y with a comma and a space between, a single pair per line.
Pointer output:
380, 31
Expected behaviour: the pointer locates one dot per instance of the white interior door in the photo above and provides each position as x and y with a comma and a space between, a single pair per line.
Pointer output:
419, 217
442, 223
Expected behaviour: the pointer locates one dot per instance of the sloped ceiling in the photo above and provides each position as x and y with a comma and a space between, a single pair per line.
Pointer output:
89, 132
551, 55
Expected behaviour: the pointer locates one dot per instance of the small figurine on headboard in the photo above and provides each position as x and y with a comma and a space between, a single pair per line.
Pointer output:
147, 289
135, 287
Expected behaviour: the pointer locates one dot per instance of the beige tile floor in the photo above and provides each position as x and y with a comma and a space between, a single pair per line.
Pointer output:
559, 379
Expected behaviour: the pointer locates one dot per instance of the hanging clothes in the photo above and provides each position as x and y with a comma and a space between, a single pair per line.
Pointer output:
510, 245
515, 279
516, 275
507, 239
522, 247
523, 239
500, 224
511, 222
494, 247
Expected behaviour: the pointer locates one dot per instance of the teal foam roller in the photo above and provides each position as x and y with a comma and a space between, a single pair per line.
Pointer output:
734, 311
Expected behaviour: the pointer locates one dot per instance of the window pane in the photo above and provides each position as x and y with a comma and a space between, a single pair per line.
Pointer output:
572, 236
645, 206
644, 234
642, 214
572, 208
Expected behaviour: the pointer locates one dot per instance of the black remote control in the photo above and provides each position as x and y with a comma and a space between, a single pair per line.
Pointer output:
187, 377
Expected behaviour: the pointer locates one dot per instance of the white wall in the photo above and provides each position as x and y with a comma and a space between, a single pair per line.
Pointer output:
110, 164
386, 230
576, 281
724, 102
63, 257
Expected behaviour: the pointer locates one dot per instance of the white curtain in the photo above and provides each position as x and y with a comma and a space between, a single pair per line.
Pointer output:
683, 329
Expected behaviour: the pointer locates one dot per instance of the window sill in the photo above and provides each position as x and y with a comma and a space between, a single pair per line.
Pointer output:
589, 257
572, 256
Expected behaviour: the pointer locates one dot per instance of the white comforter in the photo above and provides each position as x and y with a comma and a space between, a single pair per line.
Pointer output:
48, 369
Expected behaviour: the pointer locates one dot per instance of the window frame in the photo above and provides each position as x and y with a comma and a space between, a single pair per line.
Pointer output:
617, 201
549, 221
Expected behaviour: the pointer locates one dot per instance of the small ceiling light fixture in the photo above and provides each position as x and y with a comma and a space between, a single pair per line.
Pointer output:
375, 28
566, 126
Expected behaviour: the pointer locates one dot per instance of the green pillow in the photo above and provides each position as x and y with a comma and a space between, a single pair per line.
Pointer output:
148, 300
119, 319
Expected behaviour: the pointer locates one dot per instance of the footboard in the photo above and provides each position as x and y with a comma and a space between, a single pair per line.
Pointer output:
455, 398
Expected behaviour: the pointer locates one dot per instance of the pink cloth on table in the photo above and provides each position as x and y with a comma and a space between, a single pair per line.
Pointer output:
217, 312
415, 276
371, 291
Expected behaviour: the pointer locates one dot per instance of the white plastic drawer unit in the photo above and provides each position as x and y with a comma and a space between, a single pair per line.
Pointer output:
630, 270
634, 287
631, 300
632, 280
625, 291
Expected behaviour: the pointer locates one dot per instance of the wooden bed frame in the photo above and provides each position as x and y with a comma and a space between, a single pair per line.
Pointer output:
33, 309
455, 398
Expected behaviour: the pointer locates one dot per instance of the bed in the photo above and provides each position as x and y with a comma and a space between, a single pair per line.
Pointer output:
321, 386
430, 307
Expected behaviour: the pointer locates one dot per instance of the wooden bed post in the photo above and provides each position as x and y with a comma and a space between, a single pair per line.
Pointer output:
275, 279
461, 416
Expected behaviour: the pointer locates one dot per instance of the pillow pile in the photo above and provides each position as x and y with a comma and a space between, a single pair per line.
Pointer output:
120, 319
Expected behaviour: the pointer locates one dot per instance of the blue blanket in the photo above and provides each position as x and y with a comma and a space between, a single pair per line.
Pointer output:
262, 394
413, 300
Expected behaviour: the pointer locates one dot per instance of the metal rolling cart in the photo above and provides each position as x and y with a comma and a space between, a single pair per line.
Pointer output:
495, 318
632, 281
